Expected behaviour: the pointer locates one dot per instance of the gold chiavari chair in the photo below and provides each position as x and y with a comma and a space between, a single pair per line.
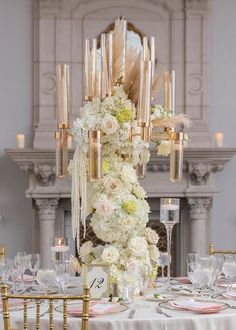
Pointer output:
2, 251
212, 251
38, 299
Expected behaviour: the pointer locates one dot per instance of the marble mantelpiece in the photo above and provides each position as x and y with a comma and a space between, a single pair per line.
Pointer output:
50, 195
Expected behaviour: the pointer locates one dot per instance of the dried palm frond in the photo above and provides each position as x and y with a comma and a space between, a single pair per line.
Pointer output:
172, 122
131, 85
119, 49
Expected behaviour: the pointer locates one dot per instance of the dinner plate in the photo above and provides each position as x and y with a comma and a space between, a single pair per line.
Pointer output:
206, 311
150, 297
119, 309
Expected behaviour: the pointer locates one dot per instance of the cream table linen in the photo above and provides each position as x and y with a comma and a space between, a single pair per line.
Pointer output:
145, 318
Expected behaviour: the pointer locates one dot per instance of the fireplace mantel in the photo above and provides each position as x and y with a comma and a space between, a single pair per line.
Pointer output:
197, 189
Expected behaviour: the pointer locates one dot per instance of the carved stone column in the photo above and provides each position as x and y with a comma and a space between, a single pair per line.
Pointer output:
199, 211
47, 216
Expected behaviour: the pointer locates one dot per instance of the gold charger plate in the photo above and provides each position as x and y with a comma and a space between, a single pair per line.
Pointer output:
121, 308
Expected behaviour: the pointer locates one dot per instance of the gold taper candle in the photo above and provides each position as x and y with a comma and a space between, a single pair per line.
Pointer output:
147, 100
87, 72
167, 92
94, 66
109, 61
173, 92
63, 94
104, 78
141, 93
145, 49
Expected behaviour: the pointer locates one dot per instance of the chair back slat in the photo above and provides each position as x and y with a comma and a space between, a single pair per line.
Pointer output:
2, 251
37, 314
65, 314
6, 316
25, 315
51, 314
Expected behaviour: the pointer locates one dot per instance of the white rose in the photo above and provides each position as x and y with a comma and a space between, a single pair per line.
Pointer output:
151, 236
128, 174
138, 246
86, 249
104, 207
164, 148
139, 192
112, 185
153, 252
110, 254
128, 223
109, 124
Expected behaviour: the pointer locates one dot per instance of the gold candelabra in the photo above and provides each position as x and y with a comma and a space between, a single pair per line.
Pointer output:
105, 67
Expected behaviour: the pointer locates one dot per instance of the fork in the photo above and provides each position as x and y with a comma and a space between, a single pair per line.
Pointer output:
160, 311
131, 314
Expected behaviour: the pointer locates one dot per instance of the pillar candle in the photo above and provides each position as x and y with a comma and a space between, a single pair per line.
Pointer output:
219, 139
20, 141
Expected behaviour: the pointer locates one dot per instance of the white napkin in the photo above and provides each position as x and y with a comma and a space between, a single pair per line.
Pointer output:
191, 304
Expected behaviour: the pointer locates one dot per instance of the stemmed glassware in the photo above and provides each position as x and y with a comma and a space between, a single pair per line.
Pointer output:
229, 269
34, 265
163, 260
63, 276
169, 216
22, 262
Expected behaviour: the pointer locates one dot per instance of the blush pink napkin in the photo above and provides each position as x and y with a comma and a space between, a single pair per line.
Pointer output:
196, 306
95, 309
27, 278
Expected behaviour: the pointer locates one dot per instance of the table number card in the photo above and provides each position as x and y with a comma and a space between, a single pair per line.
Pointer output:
97, 277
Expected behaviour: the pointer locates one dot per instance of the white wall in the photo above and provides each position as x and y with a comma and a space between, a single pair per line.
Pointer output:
224, 118
15, 116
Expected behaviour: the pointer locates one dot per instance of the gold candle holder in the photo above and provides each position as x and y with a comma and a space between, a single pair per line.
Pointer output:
2, 251
95, 155
145, 132
61, 152
176, 156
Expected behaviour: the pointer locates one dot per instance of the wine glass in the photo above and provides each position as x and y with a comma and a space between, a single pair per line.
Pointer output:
192, 257
169, 216
163, 260
229, 269
191, 267
22, 262
34, 265
63, 276
46, 278
5, 266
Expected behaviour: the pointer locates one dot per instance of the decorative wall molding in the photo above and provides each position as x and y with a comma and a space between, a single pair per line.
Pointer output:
199, 207
45, 174
199, 173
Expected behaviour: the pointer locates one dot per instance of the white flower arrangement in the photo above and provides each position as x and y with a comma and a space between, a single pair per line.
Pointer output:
119, 211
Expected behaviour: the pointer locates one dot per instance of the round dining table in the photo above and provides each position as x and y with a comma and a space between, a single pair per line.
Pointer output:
145, 317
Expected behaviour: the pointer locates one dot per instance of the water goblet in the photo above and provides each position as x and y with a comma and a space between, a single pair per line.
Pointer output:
34, 265
46, 278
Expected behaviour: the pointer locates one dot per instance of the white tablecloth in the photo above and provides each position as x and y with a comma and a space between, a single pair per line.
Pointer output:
145, 318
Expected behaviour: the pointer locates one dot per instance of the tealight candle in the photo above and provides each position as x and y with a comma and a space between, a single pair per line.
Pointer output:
219, 139
169, 207
20, 141
60, 248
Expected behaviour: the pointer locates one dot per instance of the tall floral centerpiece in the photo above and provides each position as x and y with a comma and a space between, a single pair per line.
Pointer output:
112, 138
